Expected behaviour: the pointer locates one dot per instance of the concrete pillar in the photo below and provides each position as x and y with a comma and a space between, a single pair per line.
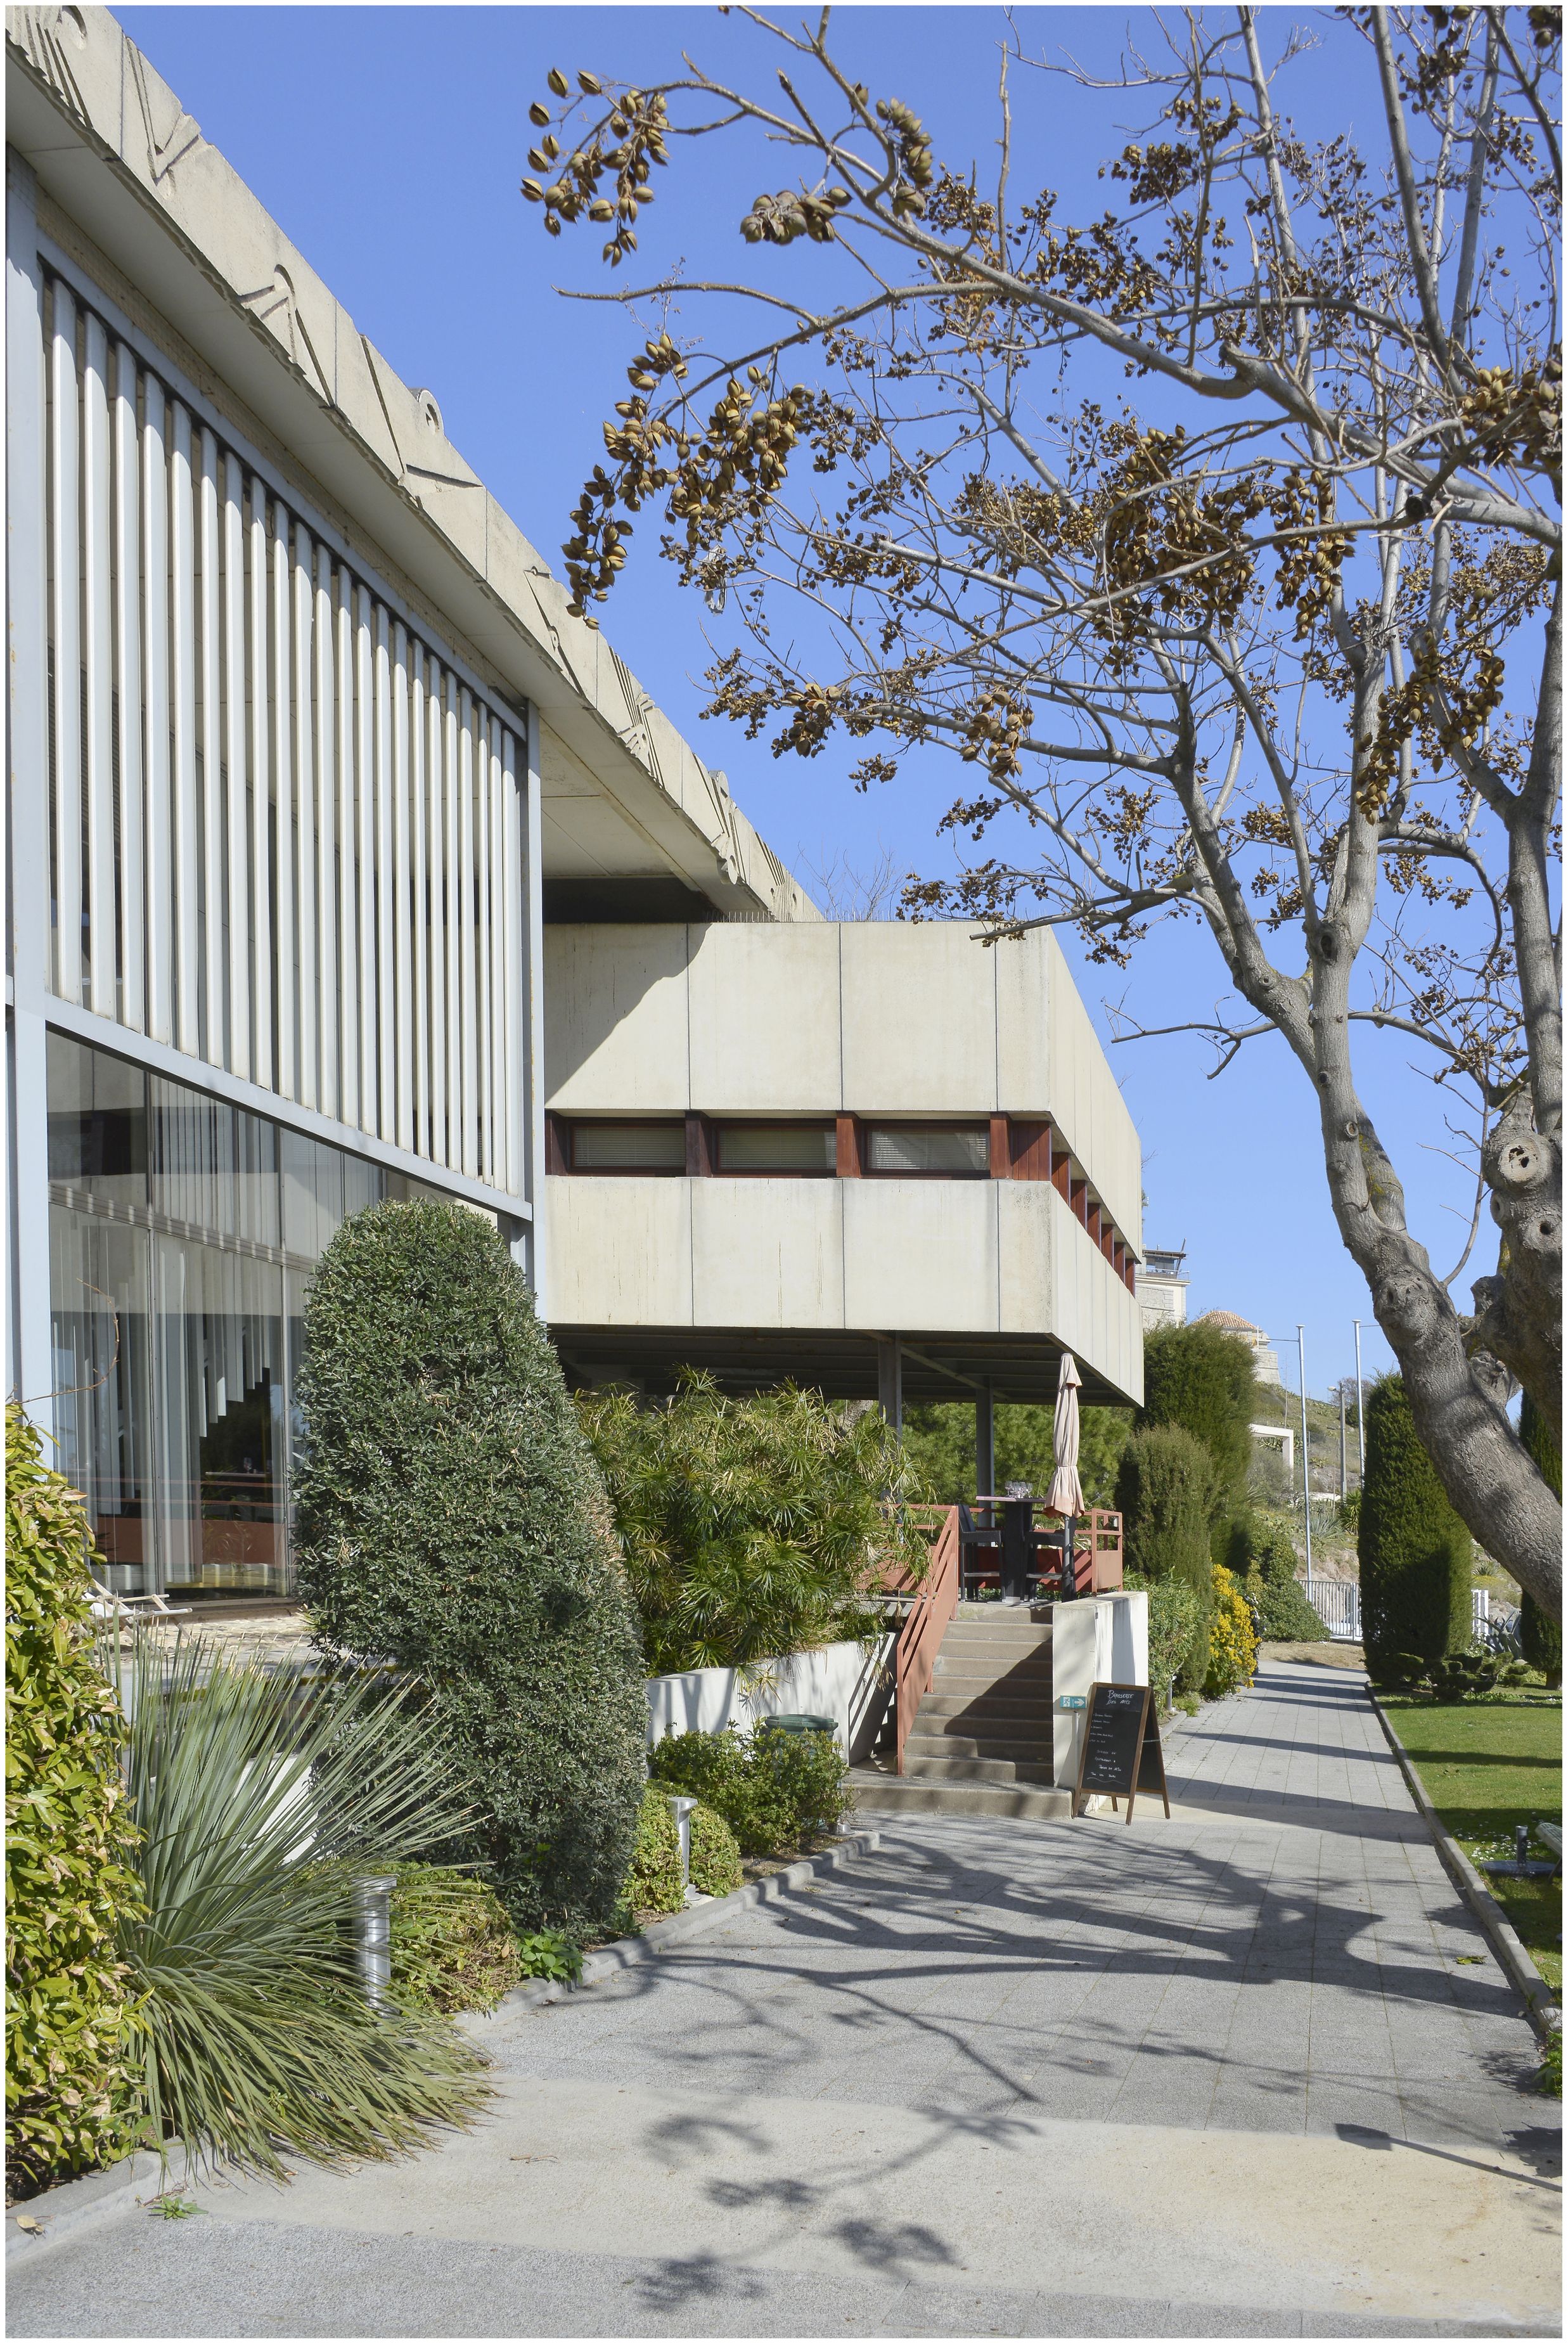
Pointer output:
890, 1380
984, 1443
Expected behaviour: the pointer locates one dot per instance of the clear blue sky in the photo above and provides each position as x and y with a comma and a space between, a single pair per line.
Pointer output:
389, 144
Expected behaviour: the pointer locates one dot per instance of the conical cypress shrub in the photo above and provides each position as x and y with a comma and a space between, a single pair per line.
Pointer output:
1201, 1378
451, 1521
1166, 1491
1541, 1636
1415, 1553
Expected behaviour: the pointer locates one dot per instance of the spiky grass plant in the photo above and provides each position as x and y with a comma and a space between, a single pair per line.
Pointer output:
258, 1796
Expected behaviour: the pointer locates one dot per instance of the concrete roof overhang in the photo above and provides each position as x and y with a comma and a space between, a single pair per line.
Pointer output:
840, 1365
111, 144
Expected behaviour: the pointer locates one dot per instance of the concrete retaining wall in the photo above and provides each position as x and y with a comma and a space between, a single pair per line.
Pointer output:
840, 1682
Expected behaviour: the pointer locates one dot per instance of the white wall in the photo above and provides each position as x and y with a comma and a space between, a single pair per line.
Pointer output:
838, 1682
1099, 1640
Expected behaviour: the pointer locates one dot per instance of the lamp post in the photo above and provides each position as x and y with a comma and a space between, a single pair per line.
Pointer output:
1306, 1461
1361, 1411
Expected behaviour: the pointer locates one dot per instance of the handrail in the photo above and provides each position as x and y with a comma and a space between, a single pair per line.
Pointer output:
932, 1604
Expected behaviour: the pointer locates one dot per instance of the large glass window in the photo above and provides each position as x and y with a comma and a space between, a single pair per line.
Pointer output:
184, 1234
912, 1148
777, 1148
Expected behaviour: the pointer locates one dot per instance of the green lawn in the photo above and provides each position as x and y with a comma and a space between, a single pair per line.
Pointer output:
1489, 1765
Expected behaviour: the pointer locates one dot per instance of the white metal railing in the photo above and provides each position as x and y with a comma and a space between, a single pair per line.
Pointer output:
1338, 1604
286, 836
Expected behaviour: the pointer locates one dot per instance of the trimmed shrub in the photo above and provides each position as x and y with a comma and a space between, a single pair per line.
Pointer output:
452, 1944
1165, 1489
1174, 1617
1541, 1636
1201, 1379
716, 1857
73, 2096
777, 1791
451, 1521
1233, 1647
1415, 1553
1267, 1559
750, 1528
654, 1884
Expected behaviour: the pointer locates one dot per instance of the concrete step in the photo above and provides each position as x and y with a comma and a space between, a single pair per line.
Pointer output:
875, 1793
1034, 1753
1000, 1631
1001, 1649
956, 1676
975, 1770
941, 1701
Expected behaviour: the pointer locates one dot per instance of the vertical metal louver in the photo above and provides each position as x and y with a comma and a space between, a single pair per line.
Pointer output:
287, 837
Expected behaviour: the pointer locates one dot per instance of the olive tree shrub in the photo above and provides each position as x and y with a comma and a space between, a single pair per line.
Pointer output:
452, 1521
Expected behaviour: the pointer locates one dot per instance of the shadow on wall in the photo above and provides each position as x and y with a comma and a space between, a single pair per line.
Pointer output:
848, 1682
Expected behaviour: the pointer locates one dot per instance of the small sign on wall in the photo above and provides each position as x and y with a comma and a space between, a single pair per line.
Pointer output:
1071, 1701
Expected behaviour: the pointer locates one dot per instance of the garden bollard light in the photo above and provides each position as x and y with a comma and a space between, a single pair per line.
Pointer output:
373, 1935
680, 1808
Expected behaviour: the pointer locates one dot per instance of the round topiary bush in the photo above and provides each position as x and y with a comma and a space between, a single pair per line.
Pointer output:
1166, 1490
715, 1858
73, 2065
451, 1521
1415, 1553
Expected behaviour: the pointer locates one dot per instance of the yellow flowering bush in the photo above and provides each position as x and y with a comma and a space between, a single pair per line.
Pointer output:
1233, 1648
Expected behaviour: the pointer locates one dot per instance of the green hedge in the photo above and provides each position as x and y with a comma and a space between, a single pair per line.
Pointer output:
777, 1791
451, 1521
1175, 1617
654, 1884
1267, 1562
73, 2097
1201, 1379
1415, 1553
1166, 1490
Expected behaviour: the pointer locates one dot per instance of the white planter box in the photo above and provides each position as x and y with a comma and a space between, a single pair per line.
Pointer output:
838, 1680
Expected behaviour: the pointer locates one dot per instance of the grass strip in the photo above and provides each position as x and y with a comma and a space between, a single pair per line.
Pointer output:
1489, 1765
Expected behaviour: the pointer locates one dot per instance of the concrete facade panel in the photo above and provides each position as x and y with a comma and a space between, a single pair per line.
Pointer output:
767, 1253
919, 1019
766, 1020
1025, 1237
1026, 976
619, 1252
616, 1008
920, 1253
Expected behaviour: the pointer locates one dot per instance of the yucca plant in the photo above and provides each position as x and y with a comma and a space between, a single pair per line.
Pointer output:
258, 1796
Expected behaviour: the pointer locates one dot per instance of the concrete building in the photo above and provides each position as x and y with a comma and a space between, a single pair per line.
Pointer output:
344, 865
1161, 1290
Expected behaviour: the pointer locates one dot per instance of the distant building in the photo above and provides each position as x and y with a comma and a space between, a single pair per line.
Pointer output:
1161, 1290
1265, 1358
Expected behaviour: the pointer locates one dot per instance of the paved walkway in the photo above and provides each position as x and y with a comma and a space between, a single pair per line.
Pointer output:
1252, 2071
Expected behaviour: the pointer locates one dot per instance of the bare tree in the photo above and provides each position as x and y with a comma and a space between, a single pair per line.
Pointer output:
1217, 533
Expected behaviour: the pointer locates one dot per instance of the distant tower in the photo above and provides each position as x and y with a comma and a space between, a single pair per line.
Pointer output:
1265, 1358
1161, 1290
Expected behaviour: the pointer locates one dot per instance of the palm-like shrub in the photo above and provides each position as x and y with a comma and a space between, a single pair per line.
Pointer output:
1414, 1552
750, 1528
258, 1797
72, 2080
452, 1521
1167, 1492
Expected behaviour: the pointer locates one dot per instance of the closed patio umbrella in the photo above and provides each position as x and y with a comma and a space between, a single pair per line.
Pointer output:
1066, 1495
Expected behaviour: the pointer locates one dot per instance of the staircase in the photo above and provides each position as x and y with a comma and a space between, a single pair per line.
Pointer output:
980, 1744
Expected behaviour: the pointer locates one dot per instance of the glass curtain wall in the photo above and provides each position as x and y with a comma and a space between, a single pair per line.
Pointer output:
184, 1233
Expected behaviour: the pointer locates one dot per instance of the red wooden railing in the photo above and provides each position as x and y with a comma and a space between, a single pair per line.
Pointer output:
932, 1604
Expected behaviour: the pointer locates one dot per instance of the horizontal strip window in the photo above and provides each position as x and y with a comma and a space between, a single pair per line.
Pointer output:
285, 835
628, 1147
798, 1148
924, 1151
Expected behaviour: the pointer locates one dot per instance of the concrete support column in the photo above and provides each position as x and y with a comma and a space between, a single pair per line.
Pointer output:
984, 1443
890, 1380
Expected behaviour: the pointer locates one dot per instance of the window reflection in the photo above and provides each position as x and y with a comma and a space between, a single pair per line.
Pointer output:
184, 1233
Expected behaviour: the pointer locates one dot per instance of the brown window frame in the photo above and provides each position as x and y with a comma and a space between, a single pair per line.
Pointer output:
827, 1126
569, 1124
974, 1123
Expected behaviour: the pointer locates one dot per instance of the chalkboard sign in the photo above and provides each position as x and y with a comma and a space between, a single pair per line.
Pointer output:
1121, 1752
